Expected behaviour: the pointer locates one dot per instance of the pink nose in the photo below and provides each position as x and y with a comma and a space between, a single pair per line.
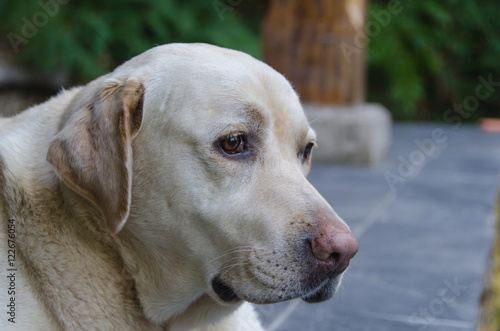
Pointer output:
334, 246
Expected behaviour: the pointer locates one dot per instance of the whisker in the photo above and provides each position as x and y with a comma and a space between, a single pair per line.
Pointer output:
229, 268
234, 251
230, 252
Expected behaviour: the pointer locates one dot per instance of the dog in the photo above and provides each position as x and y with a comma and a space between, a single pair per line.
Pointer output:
170, 194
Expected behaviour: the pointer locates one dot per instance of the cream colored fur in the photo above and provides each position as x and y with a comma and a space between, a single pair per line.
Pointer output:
125, 209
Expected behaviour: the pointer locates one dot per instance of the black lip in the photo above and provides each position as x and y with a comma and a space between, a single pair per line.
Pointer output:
224, 292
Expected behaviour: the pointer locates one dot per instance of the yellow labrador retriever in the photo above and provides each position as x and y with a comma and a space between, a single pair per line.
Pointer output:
169, 194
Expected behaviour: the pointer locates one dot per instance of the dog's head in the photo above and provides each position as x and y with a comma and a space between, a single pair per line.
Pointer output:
208, 151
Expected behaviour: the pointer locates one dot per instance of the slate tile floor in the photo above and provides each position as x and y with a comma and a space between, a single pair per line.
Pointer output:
424, 220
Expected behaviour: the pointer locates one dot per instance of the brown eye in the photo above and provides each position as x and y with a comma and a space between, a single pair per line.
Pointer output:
232, 145
307, 151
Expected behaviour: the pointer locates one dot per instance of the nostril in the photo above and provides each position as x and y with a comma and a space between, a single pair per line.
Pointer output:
333, 258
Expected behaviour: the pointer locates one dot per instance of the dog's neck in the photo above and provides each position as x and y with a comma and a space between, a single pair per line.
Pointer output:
51, 218
24, 141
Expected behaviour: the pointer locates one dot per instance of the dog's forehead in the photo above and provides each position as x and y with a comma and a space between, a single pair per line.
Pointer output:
216, 87
236, 91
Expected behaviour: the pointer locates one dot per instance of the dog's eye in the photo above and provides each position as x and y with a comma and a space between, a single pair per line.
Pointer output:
307, 151
232, 144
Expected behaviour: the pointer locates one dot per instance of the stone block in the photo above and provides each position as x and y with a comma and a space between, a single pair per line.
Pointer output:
358, 134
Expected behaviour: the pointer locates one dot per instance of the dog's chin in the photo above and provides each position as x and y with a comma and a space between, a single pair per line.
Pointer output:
323, 293
228, 295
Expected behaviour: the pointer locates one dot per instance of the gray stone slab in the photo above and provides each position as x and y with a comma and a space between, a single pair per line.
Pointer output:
424, 239
357, 134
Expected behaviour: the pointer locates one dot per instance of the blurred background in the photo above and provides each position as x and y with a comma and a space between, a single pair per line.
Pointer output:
418, 65
402, 86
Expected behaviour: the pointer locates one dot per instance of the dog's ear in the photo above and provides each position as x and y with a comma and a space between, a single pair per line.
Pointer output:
92, 153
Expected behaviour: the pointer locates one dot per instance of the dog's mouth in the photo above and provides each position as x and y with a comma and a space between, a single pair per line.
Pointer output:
224, 291
228, 295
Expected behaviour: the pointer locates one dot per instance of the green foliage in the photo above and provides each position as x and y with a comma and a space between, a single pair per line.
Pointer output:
89, 38
430, 55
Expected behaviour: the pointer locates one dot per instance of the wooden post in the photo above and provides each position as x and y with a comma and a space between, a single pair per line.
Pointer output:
303, 40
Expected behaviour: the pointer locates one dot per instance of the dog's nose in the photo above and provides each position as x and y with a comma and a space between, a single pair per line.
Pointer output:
333, 247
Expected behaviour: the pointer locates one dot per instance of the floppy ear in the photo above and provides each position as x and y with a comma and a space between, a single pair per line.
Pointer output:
93, 152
